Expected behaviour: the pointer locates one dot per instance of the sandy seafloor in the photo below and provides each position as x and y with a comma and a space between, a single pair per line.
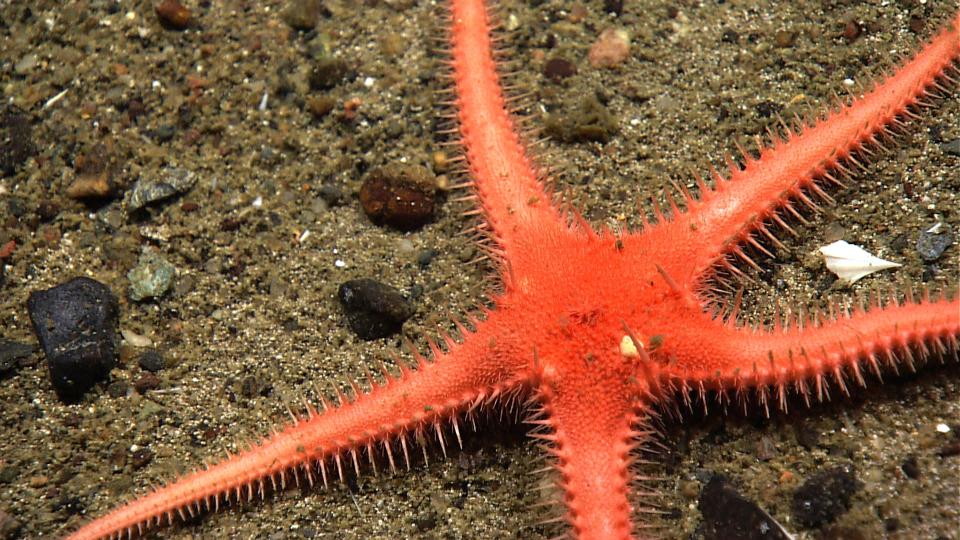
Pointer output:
228, 321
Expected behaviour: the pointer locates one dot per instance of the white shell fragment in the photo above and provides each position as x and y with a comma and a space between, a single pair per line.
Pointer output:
851, 262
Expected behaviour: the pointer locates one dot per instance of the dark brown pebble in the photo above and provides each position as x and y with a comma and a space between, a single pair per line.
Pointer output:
135, 109
327, 73
950, 449
303, 14
231, 224
141, 458
147, 381
916, 24
189, 206
173, 15
374, 310
47, 210
851, 31
399, 195
118, 458
557, 69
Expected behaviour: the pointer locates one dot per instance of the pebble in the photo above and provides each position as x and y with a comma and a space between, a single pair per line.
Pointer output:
426, 256
766, 449
611, 49
303, 14
332, 195
851, 31
328, 72
374, 310
931, 246
825, 496
401, 196
557, 69
173, 15
152, 276
585, 121
146, 382
77, 326
151, 360
94, 171
140, 458
148, 190
16, 140
11, 352
134, 339
727, 515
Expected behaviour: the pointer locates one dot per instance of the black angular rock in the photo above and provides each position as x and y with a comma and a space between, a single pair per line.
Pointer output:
825, 496
727, 515
373, 310
76, 324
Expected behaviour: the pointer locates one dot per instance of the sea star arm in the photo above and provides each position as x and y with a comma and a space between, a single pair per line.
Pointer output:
508, 188
810, 353
736, 209
434, 396
593, 431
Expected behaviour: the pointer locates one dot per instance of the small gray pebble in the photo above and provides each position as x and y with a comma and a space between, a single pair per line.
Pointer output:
930, 245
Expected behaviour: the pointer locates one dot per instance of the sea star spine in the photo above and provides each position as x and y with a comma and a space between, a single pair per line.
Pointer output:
379, 420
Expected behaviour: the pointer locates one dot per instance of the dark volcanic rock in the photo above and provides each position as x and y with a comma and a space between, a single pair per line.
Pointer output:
727, 515
76, 324
373, 310
825, 496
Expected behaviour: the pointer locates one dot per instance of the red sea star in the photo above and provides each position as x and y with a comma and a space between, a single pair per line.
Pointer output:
600, 342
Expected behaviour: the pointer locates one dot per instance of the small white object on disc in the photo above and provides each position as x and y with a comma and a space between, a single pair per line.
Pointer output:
851, 262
